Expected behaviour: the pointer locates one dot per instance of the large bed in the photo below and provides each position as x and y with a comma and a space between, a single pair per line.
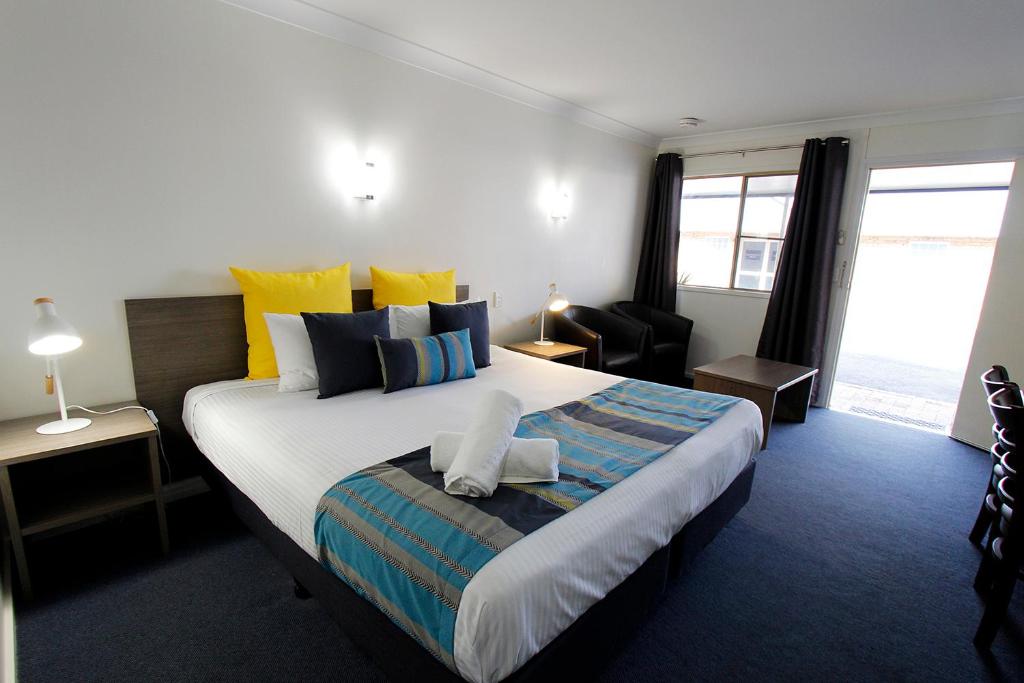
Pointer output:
277, 453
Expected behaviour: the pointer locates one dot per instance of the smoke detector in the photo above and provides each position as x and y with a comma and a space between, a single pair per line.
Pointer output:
690, 122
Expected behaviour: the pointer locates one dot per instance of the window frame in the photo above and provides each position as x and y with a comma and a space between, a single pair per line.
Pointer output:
738, 234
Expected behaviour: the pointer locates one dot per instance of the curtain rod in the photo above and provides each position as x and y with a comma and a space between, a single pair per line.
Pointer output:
744, 151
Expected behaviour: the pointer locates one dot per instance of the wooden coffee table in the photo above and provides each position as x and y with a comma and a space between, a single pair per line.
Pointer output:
778, 389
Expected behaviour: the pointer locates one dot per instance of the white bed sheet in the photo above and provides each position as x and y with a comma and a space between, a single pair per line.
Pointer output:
284, 450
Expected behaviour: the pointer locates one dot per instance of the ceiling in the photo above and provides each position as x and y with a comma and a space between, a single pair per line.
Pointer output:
736, 64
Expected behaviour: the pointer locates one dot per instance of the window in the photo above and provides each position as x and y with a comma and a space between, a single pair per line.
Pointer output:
731, 229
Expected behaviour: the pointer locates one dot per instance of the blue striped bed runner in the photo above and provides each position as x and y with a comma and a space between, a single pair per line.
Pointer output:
392, 534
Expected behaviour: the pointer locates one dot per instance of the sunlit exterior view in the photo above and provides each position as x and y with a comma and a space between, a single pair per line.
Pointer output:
721, 213
923, 258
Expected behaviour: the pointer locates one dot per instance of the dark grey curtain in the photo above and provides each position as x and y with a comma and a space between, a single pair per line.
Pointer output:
656, 273
795, 325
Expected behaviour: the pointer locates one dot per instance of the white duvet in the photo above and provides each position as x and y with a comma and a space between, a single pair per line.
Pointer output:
284, 451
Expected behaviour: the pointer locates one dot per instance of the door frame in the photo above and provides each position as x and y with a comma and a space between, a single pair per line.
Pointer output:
851, 217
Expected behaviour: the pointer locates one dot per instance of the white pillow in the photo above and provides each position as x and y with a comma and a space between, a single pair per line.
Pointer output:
406, 322
293, 352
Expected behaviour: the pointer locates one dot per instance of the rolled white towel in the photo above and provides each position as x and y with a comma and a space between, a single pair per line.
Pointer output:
477, 464
528, 460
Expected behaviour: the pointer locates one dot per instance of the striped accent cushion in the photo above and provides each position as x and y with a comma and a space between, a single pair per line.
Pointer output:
417, 361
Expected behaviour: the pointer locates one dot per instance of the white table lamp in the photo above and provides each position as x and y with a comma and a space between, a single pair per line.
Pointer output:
555, 302
51, 336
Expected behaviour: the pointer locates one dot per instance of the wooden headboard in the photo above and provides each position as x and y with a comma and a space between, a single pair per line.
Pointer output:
181, 342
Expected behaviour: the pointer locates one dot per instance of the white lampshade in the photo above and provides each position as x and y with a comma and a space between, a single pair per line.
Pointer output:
556, 301
50, 335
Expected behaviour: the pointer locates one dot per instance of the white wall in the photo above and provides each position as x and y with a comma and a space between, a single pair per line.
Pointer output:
147, 146
1000, 337
724, 323
732, 316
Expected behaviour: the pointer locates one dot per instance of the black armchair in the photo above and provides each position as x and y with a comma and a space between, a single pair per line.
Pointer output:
614, 344
669, 340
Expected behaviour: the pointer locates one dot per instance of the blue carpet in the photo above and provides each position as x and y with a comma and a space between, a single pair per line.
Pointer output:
850, 562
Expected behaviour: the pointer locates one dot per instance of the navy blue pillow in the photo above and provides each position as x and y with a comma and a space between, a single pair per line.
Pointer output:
418, 361
344, 350
472, 316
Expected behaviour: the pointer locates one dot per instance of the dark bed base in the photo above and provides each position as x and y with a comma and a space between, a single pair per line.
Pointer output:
579, 652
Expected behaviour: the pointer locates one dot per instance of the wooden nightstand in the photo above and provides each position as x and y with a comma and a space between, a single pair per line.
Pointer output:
111, 465
563, 353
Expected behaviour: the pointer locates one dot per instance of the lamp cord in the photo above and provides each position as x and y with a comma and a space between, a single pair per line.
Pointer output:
108, 412
152, 417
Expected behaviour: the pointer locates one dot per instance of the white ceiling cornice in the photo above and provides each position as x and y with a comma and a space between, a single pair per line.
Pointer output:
302, 15
1013, 105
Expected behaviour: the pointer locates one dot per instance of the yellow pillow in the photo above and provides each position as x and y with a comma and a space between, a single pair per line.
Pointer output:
411, 289
326, 291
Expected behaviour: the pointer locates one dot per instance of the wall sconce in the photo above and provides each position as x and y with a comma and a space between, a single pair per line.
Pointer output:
560, 206
365, 180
